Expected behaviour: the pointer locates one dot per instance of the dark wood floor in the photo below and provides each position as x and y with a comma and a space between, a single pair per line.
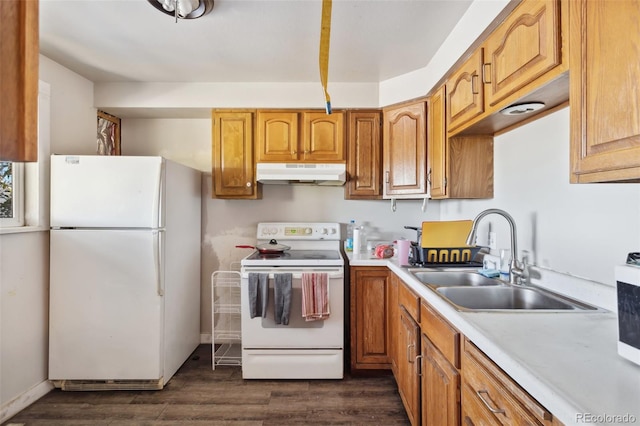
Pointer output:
198, 395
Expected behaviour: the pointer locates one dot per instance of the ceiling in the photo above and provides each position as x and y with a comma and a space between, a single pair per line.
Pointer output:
245, 40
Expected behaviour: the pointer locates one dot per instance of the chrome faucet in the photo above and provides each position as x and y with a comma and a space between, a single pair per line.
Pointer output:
516, 268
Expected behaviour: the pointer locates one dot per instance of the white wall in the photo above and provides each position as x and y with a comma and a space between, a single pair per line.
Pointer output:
24, 276
579, 230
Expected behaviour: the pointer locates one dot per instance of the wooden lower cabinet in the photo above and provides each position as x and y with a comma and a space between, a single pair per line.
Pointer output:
490, 396
408, 377
445, 380
370, 345
440, 388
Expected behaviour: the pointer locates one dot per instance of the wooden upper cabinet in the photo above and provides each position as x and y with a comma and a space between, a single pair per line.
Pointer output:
19, 45
605, 89
437, 141
233, 168
364, 155
322, 137
404, 150
465, 95
277, 136
293, 136
527, 45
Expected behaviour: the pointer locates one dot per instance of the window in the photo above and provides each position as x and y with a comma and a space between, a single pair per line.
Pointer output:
11, 194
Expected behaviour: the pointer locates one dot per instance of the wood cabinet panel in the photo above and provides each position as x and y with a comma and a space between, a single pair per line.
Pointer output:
277, 136
369, 318
19, 80
443, 335
495, 394
232, 151
322, 137
410, 301
437, 145
440, 387
404, 150
470, 167
364, 155
464, 92
524, 47
605, 76
393, 322
408, 377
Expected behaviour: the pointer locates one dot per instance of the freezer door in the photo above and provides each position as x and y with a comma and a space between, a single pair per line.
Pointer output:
96, 191
106, 305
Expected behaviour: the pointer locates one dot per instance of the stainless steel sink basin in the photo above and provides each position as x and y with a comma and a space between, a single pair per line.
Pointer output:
454, 278
508, 298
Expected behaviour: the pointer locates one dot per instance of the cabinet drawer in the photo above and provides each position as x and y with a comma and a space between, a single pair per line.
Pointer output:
485, 385
441, 333
410, 301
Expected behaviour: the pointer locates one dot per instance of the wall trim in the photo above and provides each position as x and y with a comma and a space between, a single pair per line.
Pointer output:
23, 400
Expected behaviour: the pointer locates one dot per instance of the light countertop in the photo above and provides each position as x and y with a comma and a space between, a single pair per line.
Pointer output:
567, 361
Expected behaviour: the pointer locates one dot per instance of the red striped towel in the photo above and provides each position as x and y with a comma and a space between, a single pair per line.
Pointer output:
315, 296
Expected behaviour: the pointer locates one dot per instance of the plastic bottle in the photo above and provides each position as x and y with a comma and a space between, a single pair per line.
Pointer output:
349, 242
357, 239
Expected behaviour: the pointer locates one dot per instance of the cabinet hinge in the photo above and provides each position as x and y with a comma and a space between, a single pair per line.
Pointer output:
445, 183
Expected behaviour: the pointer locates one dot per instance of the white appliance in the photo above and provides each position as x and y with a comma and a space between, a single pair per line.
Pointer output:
628, 291
326, 174
302, 349
124, 271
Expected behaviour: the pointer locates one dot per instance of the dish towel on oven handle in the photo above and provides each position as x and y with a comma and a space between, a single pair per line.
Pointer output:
282, 297
315, 296
258, 294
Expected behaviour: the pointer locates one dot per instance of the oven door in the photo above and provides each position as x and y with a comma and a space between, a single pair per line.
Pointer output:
264, 333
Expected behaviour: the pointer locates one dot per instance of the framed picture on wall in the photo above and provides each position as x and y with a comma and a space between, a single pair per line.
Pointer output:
108, 134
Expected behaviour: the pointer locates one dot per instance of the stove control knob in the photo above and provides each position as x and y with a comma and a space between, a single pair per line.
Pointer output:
332, 231
308, 231
273, 231
324, 231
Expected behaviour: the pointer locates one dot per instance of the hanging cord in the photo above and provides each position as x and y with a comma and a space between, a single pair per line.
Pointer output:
325, 35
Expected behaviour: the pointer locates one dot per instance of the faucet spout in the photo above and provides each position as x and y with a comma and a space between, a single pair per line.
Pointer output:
516, 270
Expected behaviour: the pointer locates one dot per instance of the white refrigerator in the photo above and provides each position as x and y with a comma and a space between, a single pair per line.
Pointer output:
124, 271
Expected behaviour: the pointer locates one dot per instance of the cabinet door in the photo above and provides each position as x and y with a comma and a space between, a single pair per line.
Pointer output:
364, 155
605, 71
437, 141
233, 172
19, 82
404, 150
369, 312
440, 388
524, 47
465, 97
408, 350
277, 136
322, 137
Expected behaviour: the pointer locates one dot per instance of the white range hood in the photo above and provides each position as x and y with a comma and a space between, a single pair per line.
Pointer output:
329, 174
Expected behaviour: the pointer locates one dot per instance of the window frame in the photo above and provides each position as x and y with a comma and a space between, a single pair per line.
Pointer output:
18, 195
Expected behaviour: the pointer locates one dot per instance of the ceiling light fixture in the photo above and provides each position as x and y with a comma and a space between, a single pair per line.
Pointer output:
183, 9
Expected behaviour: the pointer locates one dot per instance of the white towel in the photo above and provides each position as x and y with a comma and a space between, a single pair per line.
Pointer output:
315, 296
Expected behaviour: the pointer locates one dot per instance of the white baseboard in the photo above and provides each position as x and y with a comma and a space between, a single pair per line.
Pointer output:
23, 400
205, 338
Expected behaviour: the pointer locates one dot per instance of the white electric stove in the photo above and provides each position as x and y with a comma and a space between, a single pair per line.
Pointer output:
301, 349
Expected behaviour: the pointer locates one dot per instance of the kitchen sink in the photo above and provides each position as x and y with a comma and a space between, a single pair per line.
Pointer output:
454, 278
509, 298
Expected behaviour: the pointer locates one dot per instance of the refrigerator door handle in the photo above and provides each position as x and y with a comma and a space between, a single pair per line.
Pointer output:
157, 256
160, 200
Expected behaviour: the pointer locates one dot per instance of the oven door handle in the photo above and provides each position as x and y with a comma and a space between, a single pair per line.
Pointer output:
296, 275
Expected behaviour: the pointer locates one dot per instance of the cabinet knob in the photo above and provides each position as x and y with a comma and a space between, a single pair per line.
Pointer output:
248, 184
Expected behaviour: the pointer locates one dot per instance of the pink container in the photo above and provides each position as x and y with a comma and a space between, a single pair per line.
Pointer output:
404, 246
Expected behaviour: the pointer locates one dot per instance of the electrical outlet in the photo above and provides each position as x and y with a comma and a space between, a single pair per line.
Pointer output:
493, 245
